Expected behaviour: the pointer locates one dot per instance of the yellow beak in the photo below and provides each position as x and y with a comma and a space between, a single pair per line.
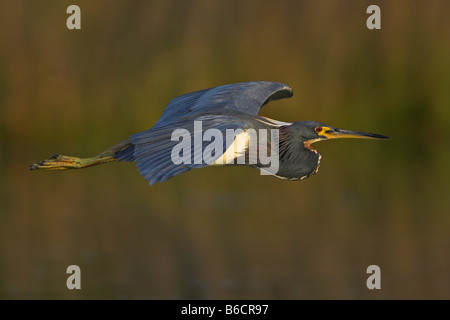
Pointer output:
334, 133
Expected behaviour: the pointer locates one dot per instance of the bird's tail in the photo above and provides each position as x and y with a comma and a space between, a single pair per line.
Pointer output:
60, 162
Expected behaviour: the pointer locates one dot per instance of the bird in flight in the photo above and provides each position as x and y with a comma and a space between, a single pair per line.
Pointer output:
219, 126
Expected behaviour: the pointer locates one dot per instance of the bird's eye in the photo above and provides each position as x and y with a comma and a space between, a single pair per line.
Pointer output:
318, 129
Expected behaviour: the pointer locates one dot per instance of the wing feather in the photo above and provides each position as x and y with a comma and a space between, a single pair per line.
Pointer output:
153, 148
245, 97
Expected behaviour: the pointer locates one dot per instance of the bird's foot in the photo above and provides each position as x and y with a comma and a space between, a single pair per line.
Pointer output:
57, 162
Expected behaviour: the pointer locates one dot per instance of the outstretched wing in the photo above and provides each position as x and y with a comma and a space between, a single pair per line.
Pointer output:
155, 150
244, 97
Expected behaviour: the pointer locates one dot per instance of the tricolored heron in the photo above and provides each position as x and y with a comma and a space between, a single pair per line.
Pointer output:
232, 106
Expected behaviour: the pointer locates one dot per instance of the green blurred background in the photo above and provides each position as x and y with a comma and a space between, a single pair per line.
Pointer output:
225, 233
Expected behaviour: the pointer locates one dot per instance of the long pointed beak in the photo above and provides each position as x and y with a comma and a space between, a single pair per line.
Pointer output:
334, 133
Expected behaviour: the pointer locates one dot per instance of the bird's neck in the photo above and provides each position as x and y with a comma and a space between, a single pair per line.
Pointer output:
297, 159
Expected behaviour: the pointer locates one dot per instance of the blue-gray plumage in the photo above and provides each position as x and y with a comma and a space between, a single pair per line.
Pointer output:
220, 109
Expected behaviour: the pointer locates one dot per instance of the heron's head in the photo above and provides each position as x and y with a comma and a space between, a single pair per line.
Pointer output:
313, 131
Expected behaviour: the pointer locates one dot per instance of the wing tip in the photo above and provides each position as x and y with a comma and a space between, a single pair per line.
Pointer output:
282, 91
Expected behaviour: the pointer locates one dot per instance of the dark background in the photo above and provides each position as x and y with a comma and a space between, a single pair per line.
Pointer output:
225, 233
